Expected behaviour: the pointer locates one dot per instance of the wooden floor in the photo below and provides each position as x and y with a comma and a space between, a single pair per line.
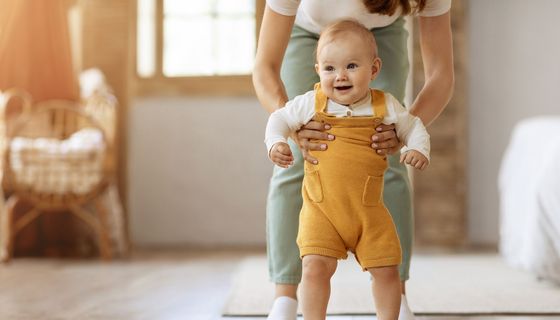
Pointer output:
150, 285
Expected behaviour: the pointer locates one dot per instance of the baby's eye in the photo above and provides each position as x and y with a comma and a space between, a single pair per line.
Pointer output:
329, 68
352, 66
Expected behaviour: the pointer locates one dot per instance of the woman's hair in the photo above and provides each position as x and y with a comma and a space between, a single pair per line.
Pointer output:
389, 7
338, 28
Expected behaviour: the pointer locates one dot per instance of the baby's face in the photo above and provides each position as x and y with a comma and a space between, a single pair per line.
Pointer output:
346, 67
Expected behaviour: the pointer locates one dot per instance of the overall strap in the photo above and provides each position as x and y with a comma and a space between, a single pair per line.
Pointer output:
378, 103
320, 99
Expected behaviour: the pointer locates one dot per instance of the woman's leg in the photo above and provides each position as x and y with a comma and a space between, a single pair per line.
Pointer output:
386, 288
284, 198
283, 207
392, 46
316, 285
393, 51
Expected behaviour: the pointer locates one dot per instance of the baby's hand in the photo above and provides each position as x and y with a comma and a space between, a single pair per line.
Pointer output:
281, 155
415, 159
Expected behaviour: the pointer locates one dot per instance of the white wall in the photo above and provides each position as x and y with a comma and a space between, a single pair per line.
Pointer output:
198, 171
514, 67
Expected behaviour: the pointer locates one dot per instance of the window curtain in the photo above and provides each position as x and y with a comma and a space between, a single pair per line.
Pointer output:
35, 55
35, 49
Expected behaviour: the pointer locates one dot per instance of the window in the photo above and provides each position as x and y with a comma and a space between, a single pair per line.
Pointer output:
195, 47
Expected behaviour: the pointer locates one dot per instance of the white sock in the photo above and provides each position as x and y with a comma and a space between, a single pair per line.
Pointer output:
284, 308
405, 312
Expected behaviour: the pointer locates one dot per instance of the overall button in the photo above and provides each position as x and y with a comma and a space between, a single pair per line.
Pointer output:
348, 113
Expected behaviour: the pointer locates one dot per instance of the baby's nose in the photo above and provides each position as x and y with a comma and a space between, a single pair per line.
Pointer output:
341, 75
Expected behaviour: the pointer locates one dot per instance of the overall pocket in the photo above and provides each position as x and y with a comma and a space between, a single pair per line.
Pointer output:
312, 185
373, 191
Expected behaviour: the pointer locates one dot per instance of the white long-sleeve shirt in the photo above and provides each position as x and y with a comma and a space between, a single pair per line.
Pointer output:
300, 110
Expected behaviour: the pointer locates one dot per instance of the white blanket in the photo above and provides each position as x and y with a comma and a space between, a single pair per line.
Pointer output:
59, 166
529, 184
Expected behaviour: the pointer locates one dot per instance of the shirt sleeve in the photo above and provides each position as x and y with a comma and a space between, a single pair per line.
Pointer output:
435, 8
289, 119
410, 129
284, 7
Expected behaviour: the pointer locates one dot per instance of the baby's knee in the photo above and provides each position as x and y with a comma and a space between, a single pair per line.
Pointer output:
318, 268
390, 273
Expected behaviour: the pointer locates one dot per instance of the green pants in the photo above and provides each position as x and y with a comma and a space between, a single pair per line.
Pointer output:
284, 197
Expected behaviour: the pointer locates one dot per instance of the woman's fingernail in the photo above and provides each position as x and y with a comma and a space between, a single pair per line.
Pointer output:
374, 138
327, 126
331, 137
378, 129
375, 145
314, 161
323, 146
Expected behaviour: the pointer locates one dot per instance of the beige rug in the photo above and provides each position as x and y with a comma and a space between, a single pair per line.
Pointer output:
450, 284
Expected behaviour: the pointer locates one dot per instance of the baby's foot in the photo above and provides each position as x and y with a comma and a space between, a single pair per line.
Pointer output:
284, 308
405, 312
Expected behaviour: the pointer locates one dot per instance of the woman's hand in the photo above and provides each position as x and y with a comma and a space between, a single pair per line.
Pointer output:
315, 131
385, 141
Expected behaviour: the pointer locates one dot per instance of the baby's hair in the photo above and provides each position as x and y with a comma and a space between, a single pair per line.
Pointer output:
338, 28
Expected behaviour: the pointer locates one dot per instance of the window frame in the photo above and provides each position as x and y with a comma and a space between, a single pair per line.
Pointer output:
159, 84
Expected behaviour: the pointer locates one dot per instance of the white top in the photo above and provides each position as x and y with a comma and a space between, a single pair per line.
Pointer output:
300, 110
314, 15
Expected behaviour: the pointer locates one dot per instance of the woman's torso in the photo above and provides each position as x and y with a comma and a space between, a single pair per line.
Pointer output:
314, 15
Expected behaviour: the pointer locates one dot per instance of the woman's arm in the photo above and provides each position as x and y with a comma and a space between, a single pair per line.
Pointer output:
437, 54
273, 41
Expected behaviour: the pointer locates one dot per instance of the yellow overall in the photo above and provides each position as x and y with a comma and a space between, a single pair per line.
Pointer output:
343, 194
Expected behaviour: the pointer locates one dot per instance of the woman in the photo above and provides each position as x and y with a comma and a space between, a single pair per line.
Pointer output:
284, 68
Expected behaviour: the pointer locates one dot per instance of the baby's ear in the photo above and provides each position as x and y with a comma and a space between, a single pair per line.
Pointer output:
317, 68
375, 68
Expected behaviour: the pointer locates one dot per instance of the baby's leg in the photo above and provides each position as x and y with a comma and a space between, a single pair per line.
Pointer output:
386, 287
316, 285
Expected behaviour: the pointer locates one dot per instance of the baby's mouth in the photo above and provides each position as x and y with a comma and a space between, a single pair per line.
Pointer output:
343, 88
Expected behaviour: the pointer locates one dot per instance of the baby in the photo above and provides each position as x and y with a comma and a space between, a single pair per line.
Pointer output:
343, 206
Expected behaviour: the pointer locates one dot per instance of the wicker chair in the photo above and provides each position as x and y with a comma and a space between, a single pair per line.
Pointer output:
57, 157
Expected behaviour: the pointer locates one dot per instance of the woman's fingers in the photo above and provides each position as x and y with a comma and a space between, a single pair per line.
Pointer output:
316, 125
385, 141
313, 146
314, 135
310, 159
310, 137
315, 130
385, 127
